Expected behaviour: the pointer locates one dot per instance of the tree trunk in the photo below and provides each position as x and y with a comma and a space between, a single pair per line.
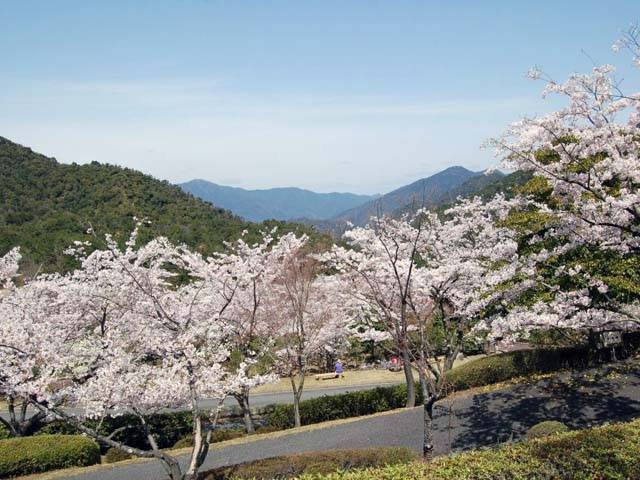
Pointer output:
18, 424
297, 394
243, 400
427, 415
296, 410
408, 375
427, 439
173, 469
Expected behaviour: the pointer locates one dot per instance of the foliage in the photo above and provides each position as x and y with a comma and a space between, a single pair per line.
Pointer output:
114, 455
184, 442
610, 452
581, 234
546, 428
291, 466
22, 456
505, 366
45, 206
167, 428
345, 405
153, 333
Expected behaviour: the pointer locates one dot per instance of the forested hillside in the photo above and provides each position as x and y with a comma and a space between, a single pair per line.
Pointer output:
46, 205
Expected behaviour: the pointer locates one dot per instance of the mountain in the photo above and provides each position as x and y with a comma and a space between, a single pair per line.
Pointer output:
509, 185
481, 184
426, 192
46, 205
277, 203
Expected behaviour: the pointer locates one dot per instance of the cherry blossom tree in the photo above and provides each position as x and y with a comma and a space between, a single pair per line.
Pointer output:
19, 421
134, 330
9, 264
380, 273
251, 268
470, 255
587, 156
305, 308
425, 282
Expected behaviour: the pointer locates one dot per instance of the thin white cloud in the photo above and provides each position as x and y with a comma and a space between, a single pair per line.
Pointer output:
178, 130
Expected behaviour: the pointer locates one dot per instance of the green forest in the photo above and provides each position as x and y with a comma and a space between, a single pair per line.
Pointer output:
45, 206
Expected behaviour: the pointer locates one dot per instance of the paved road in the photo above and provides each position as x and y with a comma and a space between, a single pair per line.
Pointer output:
258, 400
475, 420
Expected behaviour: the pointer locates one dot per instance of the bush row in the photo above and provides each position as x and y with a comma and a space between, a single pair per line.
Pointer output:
290, 466
505, 366
22, 456
167, 428
345, 405
609, 452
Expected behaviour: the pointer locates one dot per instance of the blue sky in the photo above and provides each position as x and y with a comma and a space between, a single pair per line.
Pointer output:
331, 96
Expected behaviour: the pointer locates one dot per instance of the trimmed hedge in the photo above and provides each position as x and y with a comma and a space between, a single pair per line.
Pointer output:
609, 452
168, 428
290, 466
345, 405
546, 428
505, 366
25, 455
115, 455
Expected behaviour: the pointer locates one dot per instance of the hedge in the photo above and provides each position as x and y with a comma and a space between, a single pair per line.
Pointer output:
546, 428
114, 455
505, 366
345, 405
611, 452
167, 428
25, 455
290, 466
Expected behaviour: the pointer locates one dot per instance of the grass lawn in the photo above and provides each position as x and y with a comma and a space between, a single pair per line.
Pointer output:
351, 378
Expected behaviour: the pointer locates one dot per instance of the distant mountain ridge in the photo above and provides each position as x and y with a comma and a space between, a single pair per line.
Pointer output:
275, 203
428, 192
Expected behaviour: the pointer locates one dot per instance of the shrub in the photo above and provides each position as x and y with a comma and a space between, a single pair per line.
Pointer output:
114, 455
290, 466
546, 428
609, 452
222, 434
184, 442
346, 405
167, 428
505, 366
25, 455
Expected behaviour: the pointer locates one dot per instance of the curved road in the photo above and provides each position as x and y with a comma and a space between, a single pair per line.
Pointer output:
485, 419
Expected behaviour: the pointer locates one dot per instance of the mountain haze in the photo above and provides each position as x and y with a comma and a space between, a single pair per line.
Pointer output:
275, 203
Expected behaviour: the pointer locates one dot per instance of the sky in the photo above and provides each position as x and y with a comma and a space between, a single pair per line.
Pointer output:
326, 95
